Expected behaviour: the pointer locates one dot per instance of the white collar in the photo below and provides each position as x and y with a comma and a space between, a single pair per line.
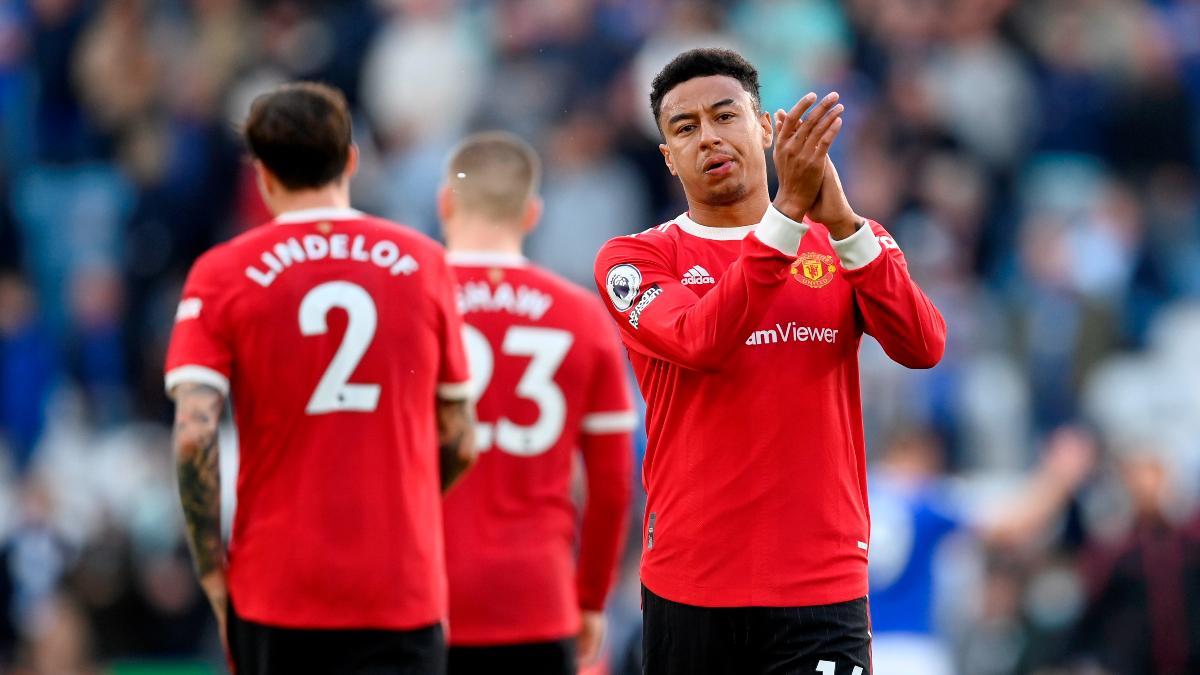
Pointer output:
319, 213
705, 232
486, 259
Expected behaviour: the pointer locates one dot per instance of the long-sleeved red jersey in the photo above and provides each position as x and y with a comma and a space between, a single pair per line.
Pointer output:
746, 351
546, 371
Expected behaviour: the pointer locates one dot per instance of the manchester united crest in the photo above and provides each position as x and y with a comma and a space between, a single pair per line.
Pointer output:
813, 269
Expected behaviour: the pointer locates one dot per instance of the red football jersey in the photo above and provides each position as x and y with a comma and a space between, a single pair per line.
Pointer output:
333, 332
747, 355
549, 379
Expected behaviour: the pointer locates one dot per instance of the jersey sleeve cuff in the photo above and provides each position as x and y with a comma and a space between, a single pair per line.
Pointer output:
195, 375
454, 391
780, 232
859, 249
609, 422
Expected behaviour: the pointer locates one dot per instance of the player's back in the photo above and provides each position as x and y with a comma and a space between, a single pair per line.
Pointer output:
545, 370
337, 329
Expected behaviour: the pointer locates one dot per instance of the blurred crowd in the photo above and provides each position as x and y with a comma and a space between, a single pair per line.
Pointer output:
1037, 161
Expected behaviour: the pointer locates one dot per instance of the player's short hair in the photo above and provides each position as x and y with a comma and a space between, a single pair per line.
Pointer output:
703, 62
301, 132
493, 174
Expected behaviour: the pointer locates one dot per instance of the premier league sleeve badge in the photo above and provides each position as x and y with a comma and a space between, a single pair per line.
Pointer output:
624, 282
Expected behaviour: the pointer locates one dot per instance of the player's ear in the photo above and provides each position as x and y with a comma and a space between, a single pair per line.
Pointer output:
351, 162
268, 186
764, 123
533, 214
666, 153
445, 202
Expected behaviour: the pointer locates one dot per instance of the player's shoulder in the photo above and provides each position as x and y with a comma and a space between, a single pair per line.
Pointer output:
663, 234
575, 307
566, 291
657, 241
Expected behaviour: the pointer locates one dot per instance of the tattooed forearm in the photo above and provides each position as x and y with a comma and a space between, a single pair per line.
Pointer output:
197, 413
456, 439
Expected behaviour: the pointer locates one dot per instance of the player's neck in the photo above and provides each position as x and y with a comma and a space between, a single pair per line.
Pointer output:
483, 237
747, 211
330, 196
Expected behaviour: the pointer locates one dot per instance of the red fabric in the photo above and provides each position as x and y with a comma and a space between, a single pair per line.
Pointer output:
510, 523
338, 520
608, 462
755, 467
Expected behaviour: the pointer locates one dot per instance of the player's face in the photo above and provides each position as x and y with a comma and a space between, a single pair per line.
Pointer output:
715, 139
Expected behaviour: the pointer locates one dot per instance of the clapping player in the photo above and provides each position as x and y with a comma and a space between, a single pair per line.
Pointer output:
742, 318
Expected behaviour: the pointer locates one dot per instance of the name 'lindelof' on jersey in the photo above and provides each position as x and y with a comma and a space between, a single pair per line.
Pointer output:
333, 333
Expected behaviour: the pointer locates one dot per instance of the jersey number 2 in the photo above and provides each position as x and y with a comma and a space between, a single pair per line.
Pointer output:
334, 393
546, 347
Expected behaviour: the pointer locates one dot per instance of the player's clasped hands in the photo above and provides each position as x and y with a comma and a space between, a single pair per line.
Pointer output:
801, 147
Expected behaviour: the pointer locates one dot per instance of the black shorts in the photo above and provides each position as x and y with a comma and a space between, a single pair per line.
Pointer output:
821, 640
258, 649
531, 658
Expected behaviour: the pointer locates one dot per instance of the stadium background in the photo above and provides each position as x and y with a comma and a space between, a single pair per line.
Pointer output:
1037, 162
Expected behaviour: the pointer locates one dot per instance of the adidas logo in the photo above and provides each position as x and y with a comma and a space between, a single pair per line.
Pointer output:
697, 275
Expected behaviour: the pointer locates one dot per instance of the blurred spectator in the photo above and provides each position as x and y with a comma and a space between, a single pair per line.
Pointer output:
117, 72
590, 195
33, 562
981, 90
915, 512
1143, 608
70, 216
686, 25
1073, 94
422, 82
799, 44
174, 620
28, 370
1153, 116
424, 73
103, 582
59, 641
60, 131
96, 356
